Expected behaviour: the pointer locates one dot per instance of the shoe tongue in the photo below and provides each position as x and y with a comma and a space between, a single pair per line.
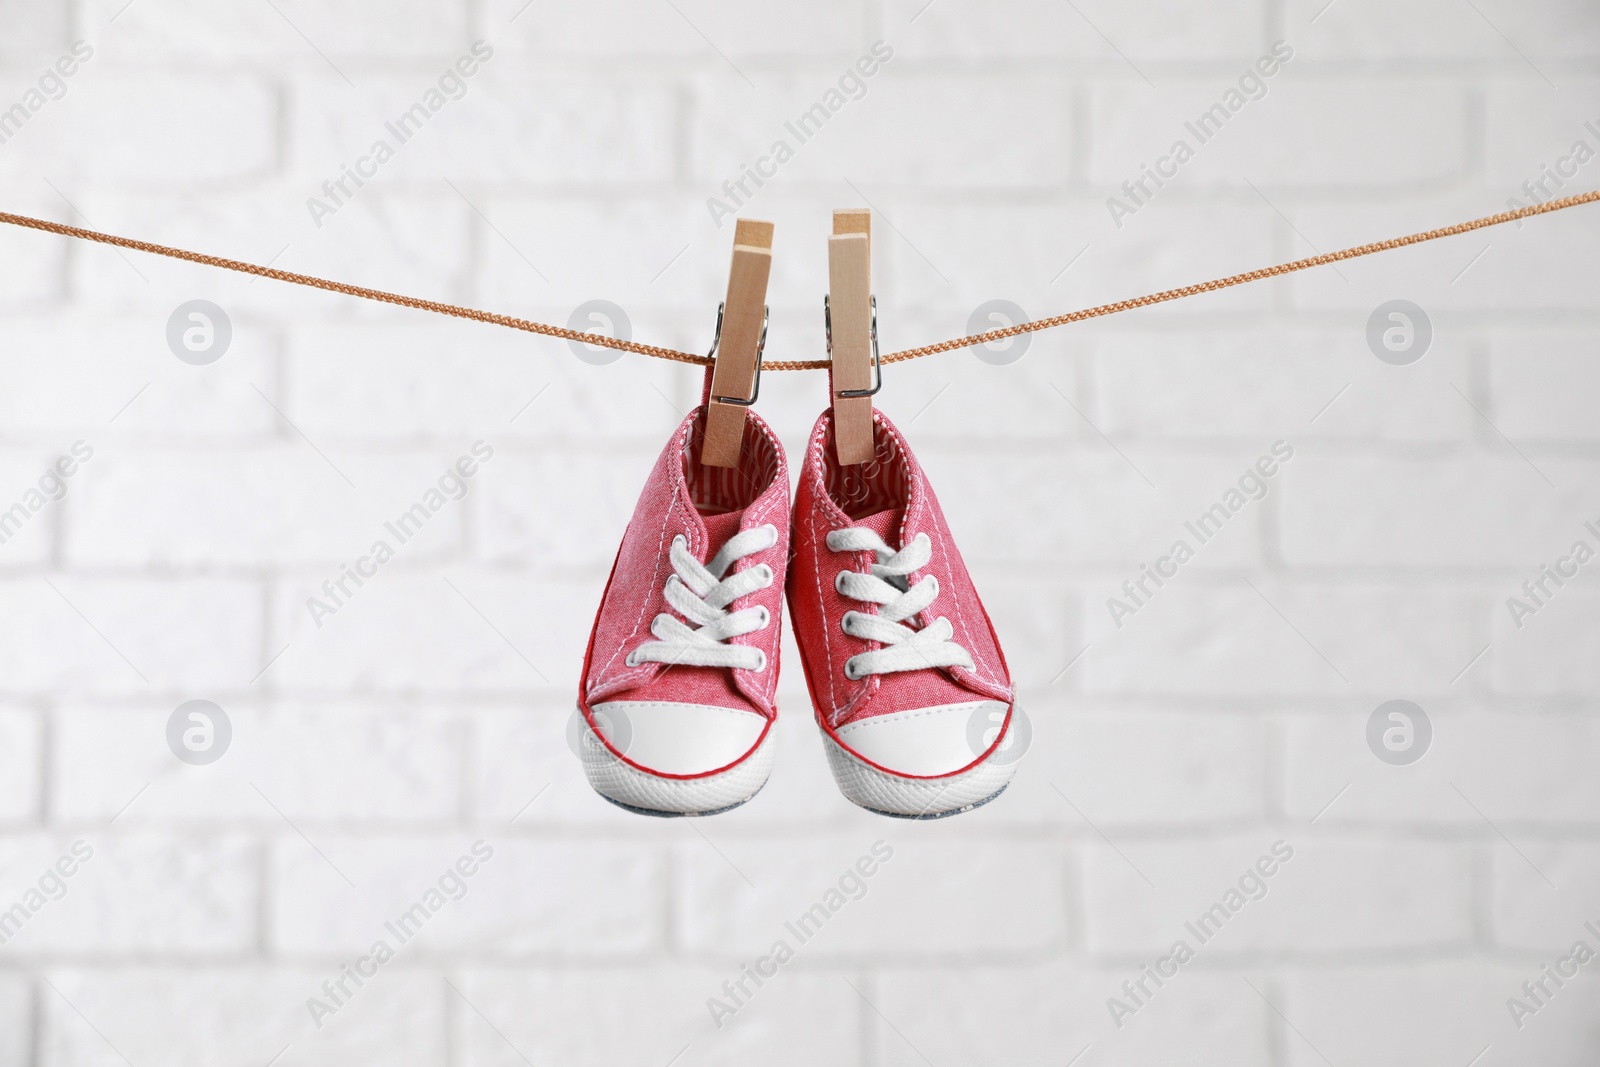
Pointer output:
886, 524
719, 529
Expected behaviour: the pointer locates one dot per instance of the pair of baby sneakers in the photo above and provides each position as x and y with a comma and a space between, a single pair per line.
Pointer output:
911, 690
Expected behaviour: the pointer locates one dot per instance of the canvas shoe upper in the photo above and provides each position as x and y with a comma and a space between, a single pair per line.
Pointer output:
905, 671
679, 681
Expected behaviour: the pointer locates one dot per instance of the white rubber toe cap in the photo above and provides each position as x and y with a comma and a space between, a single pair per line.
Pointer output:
678, 739
927, 741
701, 759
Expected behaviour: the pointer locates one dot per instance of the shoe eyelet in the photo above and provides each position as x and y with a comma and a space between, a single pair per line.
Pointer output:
766, 617
838, 583
768, 573
632, 658
850, 670
762, 664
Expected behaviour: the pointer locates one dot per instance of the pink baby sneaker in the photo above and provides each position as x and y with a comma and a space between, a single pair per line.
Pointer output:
678, 692
906, 674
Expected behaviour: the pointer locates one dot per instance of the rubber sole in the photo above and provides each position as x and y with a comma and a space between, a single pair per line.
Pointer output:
919, 799
936, 814
678, 814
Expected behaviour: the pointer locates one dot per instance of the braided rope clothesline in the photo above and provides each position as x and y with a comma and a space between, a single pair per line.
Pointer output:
999, 334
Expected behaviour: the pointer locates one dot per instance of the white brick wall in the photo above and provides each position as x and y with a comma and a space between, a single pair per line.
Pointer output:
369, 753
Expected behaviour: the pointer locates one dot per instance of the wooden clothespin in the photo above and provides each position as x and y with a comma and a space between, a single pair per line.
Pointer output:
741, 335
852, 335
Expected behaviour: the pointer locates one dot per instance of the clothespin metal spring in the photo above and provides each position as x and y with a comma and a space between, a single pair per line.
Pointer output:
761, 345
877, 365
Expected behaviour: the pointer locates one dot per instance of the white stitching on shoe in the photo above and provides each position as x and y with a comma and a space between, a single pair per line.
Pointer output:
604, 676
980, 671
827, 646
763, 511
644, 600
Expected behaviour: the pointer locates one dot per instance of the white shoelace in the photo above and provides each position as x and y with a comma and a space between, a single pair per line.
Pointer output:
700, 593
904, 649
